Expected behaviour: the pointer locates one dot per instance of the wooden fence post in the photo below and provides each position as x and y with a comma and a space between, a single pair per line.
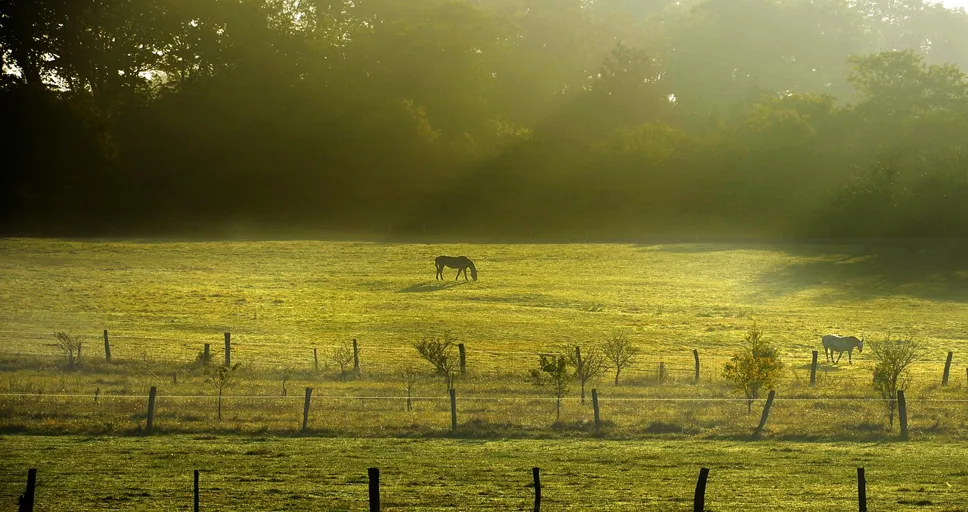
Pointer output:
79, 353
861, 490
598, 425
309, 394
453, 410
107, 347
699, 501
97, 393
902, 414
174, 377
813, 370
315, 360
228, 350
151, 408
356, 357
26, 502
207, 354
374, 474
662, 372
947, 369
766, 414
196, 491
695, 355
536, 472
463, 358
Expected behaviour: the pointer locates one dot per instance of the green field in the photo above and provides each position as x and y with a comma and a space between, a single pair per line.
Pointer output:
162, 301
258, 473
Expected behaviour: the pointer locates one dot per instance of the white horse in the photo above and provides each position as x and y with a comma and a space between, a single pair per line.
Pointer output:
833, 343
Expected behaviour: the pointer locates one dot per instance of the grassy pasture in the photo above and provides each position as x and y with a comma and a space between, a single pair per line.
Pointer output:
284, 473
162, 301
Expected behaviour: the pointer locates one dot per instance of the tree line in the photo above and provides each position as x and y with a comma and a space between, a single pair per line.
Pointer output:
507, 118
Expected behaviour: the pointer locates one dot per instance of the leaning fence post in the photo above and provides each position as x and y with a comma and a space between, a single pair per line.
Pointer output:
902, 414
453, 410
26, 501
598, 425
813, 370
695, 355
107, 347
228, 350
196, 490
151, 408
861, 490
356, 357
463, 358
374, 474
766, 413
699, 501
536, 472
309, 394
947, 369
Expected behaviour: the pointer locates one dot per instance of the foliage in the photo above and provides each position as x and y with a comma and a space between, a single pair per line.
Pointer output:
619, 354
588, 365
892, 363
754, 369
441, 353
555, 373
600, 119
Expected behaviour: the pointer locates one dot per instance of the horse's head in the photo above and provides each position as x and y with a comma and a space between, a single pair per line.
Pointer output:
473, 273
860, 344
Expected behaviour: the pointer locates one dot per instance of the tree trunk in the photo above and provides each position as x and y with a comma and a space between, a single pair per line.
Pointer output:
558, 409
220, 404
583, 392
616, 376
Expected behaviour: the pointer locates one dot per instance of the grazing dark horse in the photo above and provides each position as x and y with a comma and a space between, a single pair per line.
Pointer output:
461, 263
833, 343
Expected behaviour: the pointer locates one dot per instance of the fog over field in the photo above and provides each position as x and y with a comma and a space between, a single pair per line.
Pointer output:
484, 254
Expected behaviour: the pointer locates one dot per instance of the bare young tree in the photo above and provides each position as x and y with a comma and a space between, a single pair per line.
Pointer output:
219, 376
409, 379
553, 372
619, 354
892, 360
286, 375
71, 345
342, 357
588, 366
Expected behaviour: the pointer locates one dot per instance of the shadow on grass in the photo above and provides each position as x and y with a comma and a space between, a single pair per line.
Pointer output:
436, 286
930, 270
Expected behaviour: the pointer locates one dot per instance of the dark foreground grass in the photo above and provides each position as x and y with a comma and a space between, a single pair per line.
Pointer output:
294, 473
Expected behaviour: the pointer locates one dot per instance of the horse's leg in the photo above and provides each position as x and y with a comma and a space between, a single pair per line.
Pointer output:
841, 354
465, 273
458, 275
849, 353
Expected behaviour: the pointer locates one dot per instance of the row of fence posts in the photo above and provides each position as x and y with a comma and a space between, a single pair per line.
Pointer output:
463, 359
26, 500
901, 411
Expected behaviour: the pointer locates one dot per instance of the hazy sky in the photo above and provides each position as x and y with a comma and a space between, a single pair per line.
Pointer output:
956, 3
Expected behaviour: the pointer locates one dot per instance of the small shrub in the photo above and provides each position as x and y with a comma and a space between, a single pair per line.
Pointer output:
892, 360
755, 368
554, 373
619, 354
71, 346
441, 354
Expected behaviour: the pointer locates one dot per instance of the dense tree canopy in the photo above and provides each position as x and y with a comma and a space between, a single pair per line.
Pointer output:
502, 118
